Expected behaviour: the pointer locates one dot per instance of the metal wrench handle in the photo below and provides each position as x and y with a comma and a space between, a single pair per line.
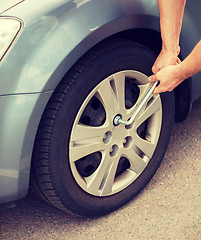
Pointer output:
143, 101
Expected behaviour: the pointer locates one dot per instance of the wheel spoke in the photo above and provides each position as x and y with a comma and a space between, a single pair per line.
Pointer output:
143, 91
95, 181
119, 84
145, 146
137, 164
153, 107
108, 99
109, 177
84, 132
84, 148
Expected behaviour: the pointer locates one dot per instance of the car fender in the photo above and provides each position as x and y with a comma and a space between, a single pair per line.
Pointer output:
54, 39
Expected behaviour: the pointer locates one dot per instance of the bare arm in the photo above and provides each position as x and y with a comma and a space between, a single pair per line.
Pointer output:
171, 16
172, 75
192, 64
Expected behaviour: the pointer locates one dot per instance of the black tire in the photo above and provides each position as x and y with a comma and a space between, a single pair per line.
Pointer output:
52, 177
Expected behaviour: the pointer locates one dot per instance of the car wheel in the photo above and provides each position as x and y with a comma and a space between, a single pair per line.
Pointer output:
82, 161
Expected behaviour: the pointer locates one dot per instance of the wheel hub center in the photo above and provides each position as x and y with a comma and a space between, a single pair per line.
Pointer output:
116, 120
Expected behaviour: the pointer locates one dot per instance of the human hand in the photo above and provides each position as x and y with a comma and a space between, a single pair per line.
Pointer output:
169, 77
165, 58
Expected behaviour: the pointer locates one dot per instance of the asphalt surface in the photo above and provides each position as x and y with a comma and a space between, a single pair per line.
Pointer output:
168, 208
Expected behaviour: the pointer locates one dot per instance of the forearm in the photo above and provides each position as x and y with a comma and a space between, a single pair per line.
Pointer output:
171, 16
192, 64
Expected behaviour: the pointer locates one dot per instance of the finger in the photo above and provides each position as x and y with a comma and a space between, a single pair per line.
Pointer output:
157, 90
152, 78
155, 69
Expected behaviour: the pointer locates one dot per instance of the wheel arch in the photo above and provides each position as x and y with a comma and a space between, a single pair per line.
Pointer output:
139, 33
123, 27
183, 93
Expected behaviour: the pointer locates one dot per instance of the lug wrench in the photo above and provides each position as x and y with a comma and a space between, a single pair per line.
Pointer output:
118, 120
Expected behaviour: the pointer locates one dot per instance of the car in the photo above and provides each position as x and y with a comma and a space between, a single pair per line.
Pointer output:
69, 69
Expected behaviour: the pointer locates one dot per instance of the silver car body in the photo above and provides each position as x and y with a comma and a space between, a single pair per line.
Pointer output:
53, 36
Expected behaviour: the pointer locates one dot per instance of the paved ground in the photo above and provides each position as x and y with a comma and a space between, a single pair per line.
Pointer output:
168, 208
